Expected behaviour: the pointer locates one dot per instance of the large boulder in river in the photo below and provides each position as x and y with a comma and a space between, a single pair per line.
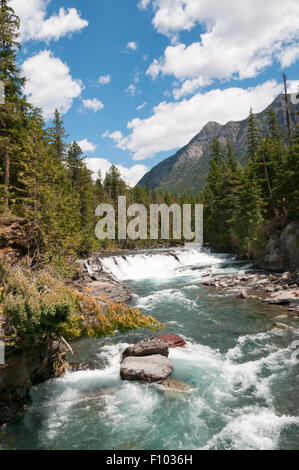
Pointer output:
147, 348
146, 368
173, 341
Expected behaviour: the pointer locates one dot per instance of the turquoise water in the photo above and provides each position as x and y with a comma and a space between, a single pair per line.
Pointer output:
244, 378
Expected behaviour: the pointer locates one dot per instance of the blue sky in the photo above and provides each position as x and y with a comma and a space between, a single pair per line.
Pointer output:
136, 80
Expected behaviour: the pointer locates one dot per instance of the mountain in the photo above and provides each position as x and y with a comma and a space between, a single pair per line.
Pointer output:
187, 170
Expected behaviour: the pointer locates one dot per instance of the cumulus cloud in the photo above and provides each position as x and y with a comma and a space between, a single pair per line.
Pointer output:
94, 104
289, 55
116, 136
104, 79
130, 175
87, 146
173, 124
49, 83
35, 25
131, 46
237, 39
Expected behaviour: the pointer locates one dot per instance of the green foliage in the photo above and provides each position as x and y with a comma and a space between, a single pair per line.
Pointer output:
38, 305
240, 204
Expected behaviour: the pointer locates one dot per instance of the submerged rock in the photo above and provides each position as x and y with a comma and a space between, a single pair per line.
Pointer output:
281, 326
175, 389
146, 368
281, 317
177, 385
173, 341
147, 348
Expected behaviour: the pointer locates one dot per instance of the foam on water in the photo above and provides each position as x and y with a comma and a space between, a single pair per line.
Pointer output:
157, 265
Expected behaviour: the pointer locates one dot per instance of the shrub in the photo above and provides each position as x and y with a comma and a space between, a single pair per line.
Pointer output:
37, 304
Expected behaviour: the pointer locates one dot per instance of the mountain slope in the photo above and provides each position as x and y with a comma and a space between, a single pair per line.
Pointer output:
187, 170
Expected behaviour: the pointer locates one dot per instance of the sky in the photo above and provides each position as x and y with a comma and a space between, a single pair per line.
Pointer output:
137, 79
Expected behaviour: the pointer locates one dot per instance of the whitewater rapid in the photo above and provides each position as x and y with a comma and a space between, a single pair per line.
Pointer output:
244, 376
159, 265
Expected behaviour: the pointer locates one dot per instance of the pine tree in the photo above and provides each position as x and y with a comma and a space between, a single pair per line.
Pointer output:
289, 183
12, 113
58, 136
114, 183
46, 199
82, 184
253, 135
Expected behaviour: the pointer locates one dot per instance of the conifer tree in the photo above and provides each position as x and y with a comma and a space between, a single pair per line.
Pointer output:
58, 136
114, 183
12, 113
46, 198
82, 184
253, 135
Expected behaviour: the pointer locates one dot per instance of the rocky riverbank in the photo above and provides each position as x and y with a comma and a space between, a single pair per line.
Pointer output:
26, 367
93, 280
279, 290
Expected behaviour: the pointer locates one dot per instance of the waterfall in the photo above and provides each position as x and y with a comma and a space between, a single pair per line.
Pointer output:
158, 264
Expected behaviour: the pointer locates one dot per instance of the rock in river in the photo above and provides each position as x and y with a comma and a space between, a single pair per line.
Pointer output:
147, 368
147, 348
173, 341
176, 385
176, 389
281, 326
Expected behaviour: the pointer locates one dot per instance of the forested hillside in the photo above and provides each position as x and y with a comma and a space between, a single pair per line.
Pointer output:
44, 178
244, 206
189, 167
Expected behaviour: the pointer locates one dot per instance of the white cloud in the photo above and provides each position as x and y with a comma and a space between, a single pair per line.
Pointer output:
237, 39
49, 83
130, 175
94, 104
131, 90
134, 174
131, 46
87, 146
141, 106
172, 125
188, 87
35, 25
104, 79
289, 55
143, 4
116, 136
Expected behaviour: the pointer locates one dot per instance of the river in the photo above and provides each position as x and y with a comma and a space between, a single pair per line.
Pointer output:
244, 377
